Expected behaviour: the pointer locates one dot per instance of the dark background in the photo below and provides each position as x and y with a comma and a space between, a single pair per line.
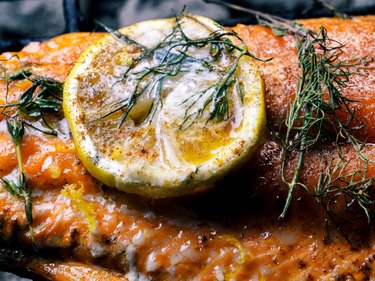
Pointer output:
22, 21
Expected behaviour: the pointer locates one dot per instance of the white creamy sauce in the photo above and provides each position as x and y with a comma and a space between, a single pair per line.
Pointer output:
151, 263
219, 273
166, 121
288, 237
133, 273
189, 252
139, 239
3, 126
176, 259
97, 249
47, 163
238, 112
13, 175
63, 129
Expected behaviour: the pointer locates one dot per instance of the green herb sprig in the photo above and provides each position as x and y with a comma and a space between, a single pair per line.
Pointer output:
316, 110
20, 188
311, 115
43, 96
174, 56
357, 185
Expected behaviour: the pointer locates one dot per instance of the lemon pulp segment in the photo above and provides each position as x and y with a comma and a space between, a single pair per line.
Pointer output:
163, 147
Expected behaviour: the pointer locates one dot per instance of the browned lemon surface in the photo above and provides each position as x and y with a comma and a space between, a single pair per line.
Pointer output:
229, 233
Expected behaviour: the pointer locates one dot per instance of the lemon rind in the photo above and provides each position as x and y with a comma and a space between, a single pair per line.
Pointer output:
198, 180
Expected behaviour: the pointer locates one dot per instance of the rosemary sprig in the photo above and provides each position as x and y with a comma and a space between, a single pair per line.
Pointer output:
315, 111
44, 95
174, 56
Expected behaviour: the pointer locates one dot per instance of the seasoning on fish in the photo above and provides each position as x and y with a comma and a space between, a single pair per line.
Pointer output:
232, 232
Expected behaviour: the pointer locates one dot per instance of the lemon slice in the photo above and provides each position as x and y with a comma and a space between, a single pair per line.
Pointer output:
167, 109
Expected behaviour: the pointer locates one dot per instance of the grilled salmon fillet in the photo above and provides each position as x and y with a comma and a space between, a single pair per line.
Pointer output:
229, 233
